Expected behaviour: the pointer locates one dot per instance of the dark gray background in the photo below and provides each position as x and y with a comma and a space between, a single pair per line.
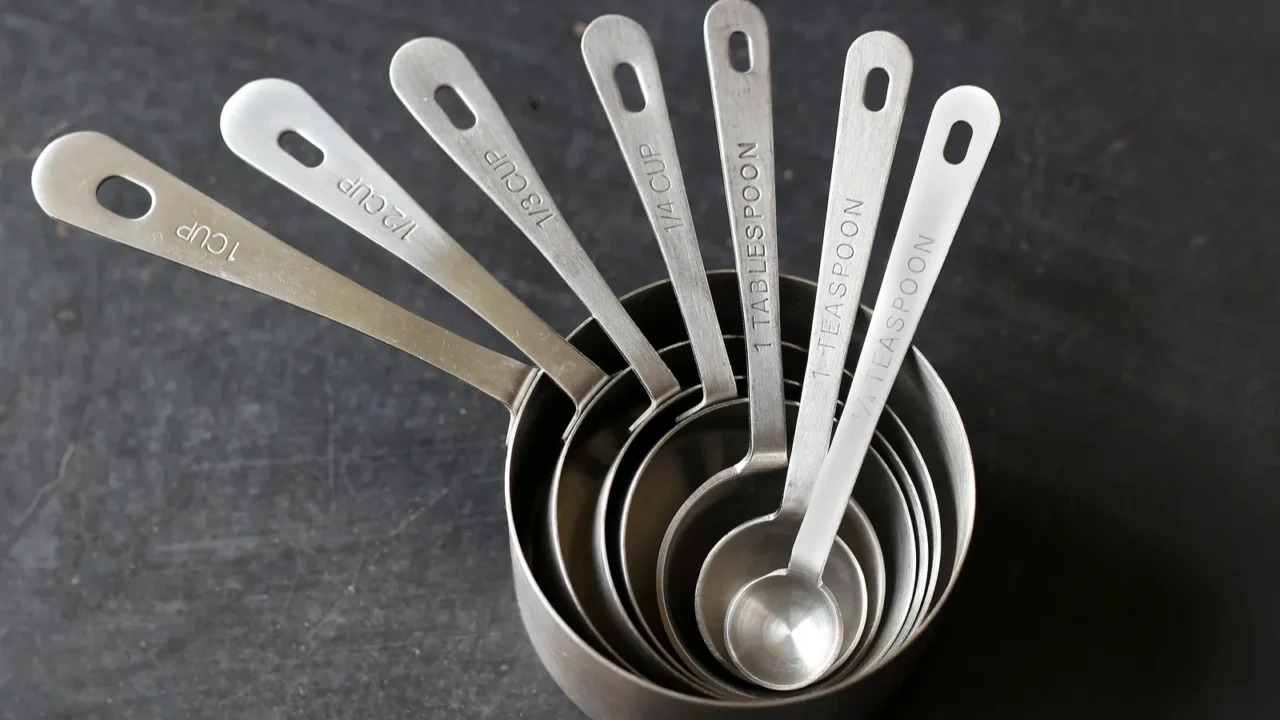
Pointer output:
213, 505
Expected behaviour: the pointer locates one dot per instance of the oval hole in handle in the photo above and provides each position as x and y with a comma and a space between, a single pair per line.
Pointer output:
740, 51
124, 197
629, 87
875, 92
300, 149
957, 145
455, 107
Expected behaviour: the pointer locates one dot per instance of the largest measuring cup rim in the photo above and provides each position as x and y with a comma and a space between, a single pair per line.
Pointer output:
956, 438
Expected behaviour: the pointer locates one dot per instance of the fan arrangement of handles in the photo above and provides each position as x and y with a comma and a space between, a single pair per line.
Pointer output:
716, 509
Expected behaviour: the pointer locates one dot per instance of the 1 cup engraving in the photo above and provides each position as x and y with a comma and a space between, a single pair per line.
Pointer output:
214, 243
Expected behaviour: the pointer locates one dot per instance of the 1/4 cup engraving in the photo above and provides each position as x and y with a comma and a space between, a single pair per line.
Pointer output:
532, 203
655, 172
393, 218
214, 243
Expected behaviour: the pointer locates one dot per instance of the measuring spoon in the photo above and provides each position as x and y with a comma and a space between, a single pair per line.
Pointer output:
794, 596
610, 44
186, 227
865, 143
487, 149
742, 100
349, 185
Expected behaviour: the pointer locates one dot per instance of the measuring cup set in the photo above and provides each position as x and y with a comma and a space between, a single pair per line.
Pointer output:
715, 509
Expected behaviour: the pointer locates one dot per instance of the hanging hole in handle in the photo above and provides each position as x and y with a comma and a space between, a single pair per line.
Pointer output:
455, 107
740, 51
629, 87
876, 91
300, 149
957, 145
124, 197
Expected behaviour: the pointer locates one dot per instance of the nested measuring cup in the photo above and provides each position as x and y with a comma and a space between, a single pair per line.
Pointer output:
601, 688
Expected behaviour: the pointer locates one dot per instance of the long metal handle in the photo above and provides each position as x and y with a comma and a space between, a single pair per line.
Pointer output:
865, 144
649, 149
936, 202
490, 153
743, 106
349, 185
186, 227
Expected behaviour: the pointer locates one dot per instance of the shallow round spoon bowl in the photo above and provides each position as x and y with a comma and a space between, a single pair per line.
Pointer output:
752, 558
783, 630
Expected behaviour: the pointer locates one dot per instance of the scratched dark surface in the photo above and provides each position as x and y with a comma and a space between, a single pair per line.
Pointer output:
216, 506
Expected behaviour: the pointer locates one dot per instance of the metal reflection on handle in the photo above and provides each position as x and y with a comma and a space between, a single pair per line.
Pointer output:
349, 185
743, 105
649, 149
491, 154
186, 227
936, 202
864, 149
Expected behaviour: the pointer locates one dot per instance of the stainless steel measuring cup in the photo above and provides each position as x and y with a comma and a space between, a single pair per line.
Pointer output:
622, 616
620, 634
890, 498
653, 499
670, 474
606, 558
604, 690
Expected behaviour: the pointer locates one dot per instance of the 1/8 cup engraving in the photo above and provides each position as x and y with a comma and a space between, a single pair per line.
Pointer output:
214, 243
532, 202
393, 218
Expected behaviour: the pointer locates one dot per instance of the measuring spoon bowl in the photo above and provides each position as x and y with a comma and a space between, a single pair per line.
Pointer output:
784, 630
758, 548
759, 632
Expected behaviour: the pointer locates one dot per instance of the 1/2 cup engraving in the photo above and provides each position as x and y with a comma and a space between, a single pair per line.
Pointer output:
393, 218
